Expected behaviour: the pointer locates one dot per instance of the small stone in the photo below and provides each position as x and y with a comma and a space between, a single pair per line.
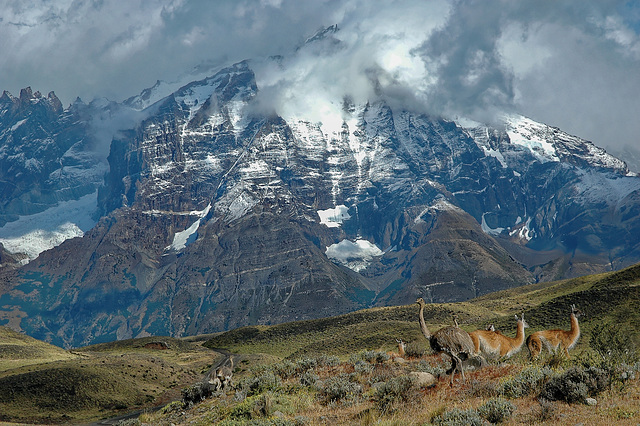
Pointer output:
422, 379
591, 401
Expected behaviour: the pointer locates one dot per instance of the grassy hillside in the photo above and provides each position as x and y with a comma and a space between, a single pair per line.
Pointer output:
45, 384
605, 299
295, 369
17, 350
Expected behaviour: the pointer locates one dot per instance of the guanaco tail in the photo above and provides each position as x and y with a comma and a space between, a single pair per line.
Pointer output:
554, 339
494, 344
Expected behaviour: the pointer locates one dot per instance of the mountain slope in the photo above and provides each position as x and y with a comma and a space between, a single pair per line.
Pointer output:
217, 213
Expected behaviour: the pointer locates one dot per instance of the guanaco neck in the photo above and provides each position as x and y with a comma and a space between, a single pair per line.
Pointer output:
520, 333
423, 325
575, 328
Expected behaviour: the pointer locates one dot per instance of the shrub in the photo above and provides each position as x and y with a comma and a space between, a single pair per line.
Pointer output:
548, 410
527, 382
458, 417
252, 407
327, 360
362, 367
392, 391
285, 369
339, 389
437, 371
576, 384
496, 410
260, 383
196, 393
258, 422
129, 422
309, 379
370, 356
305, 364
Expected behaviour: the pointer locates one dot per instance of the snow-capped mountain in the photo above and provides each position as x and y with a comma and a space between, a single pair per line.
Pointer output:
217, 213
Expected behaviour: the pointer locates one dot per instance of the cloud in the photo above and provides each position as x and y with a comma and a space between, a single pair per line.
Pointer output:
571, 64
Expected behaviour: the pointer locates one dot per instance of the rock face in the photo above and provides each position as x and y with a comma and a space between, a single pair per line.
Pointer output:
43, 154
215, 214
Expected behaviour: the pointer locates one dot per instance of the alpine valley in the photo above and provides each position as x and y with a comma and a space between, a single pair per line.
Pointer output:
207, 212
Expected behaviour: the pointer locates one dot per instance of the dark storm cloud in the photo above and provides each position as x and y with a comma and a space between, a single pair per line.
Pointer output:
568, 63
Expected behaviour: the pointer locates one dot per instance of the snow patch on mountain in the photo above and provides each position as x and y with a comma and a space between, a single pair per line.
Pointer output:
531, 135
18, 124
523, 231
184, 238
490, 152
355, 255
36, 233
487, 229
334, 217
596, 187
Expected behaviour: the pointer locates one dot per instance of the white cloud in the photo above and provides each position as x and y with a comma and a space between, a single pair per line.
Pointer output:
572, 64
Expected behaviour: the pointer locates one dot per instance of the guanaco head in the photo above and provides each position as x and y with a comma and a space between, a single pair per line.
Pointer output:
420, 301
521, 319
491, 327
575, 311
401, 344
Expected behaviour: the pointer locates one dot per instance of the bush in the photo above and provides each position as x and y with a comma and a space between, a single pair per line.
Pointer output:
252, 407
327, 360
196, 393
309, 379
576, 384
339, 389
392, 391
362, 367
496, 410
437, 371
306, 364
527, 382
285, 369
257, 422
260, 383
457, 417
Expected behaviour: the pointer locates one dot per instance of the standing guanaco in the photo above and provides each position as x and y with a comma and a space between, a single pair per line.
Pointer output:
554, 339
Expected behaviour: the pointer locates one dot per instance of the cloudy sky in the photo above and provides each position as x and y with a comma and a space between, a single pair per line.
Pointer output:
571, 64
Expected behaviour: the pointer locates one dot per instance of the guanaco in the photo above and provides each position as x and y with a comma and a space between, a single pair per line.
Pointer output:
401, 350
495, 344
554, 339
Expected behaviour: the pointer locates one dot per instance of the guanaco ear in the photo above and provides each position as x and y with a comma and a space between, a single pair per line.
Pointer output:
516, 317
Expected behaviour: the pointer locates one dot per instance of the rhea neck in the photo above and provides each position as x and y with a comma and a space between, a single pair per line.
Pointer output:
423, 325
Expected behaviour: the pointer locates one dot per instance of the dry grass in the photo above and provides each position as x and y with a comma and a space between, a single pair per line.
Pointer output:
292, 404
106, 379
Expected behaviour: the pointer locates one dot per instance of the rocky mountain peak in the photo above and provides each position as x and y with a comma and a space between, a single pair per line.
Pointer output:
216, 214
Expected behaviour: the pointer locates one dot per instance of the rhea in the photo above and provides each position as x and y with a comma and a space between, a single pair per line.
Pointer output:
452, 341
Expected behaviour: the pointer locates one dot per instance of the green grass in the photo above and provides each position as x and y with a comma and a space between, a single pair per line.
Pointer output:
17, 350
46, 384
603, 298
